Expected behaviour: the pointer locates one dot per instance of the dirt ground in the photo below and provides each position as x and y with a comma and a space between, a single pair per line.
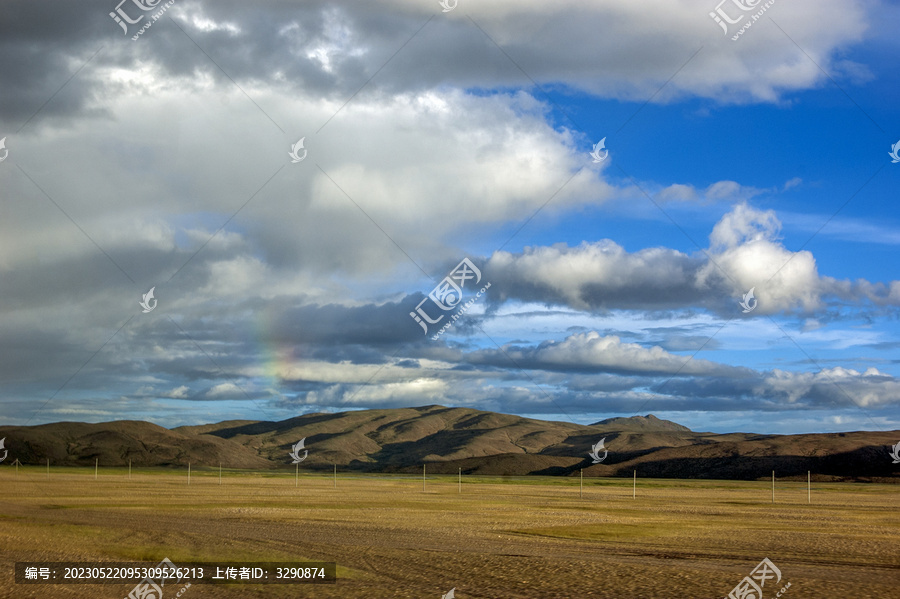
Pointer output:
496, 539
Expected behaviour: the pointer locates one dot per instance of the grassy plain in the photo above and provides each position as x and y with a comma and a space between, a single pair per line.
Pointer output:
497, 538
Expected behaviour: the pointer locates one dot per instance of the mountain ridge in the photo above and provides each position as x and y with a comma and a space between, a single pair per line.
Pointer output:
449, 439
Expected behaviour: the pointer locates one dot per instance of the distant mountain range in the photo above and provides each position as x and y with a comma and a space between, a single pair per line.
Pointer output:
446, 439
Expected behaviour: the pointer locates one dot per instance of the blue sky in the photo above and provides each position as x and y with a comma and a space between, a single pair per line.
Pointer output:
615, 286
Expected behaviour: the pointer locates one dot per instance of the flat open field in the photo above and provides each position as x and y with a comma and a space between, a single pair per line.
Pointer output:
497, 538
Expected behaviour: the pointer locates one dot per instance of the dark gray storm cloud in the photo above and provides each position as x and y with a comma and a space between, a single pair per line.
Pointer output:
329, 49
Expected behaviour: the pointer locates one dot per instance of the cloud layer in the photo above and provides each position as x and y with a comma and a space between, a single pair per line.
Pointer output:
431, 136
744, 252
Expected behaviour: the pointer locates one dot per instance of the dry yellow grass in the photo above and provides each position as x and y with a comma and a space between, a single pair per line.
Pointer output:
497, 538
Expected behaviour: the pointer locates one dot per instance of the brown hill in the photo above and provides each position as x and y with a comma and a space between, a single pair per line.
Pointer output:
447, 439
641, 423
115, 443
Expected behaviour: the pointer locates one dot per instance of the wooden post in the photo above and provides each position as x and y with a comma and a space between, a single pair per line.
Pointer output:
48, 468
297, 474
581, 485
220, 473
423, 478
189, 473
16, 463
808, 490
773, 486
129, 469
96, 461
459, 491
335, 476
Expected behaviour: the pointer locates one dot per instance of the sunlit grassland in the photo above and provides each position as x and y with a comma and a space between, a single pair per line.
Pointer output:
487, 536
